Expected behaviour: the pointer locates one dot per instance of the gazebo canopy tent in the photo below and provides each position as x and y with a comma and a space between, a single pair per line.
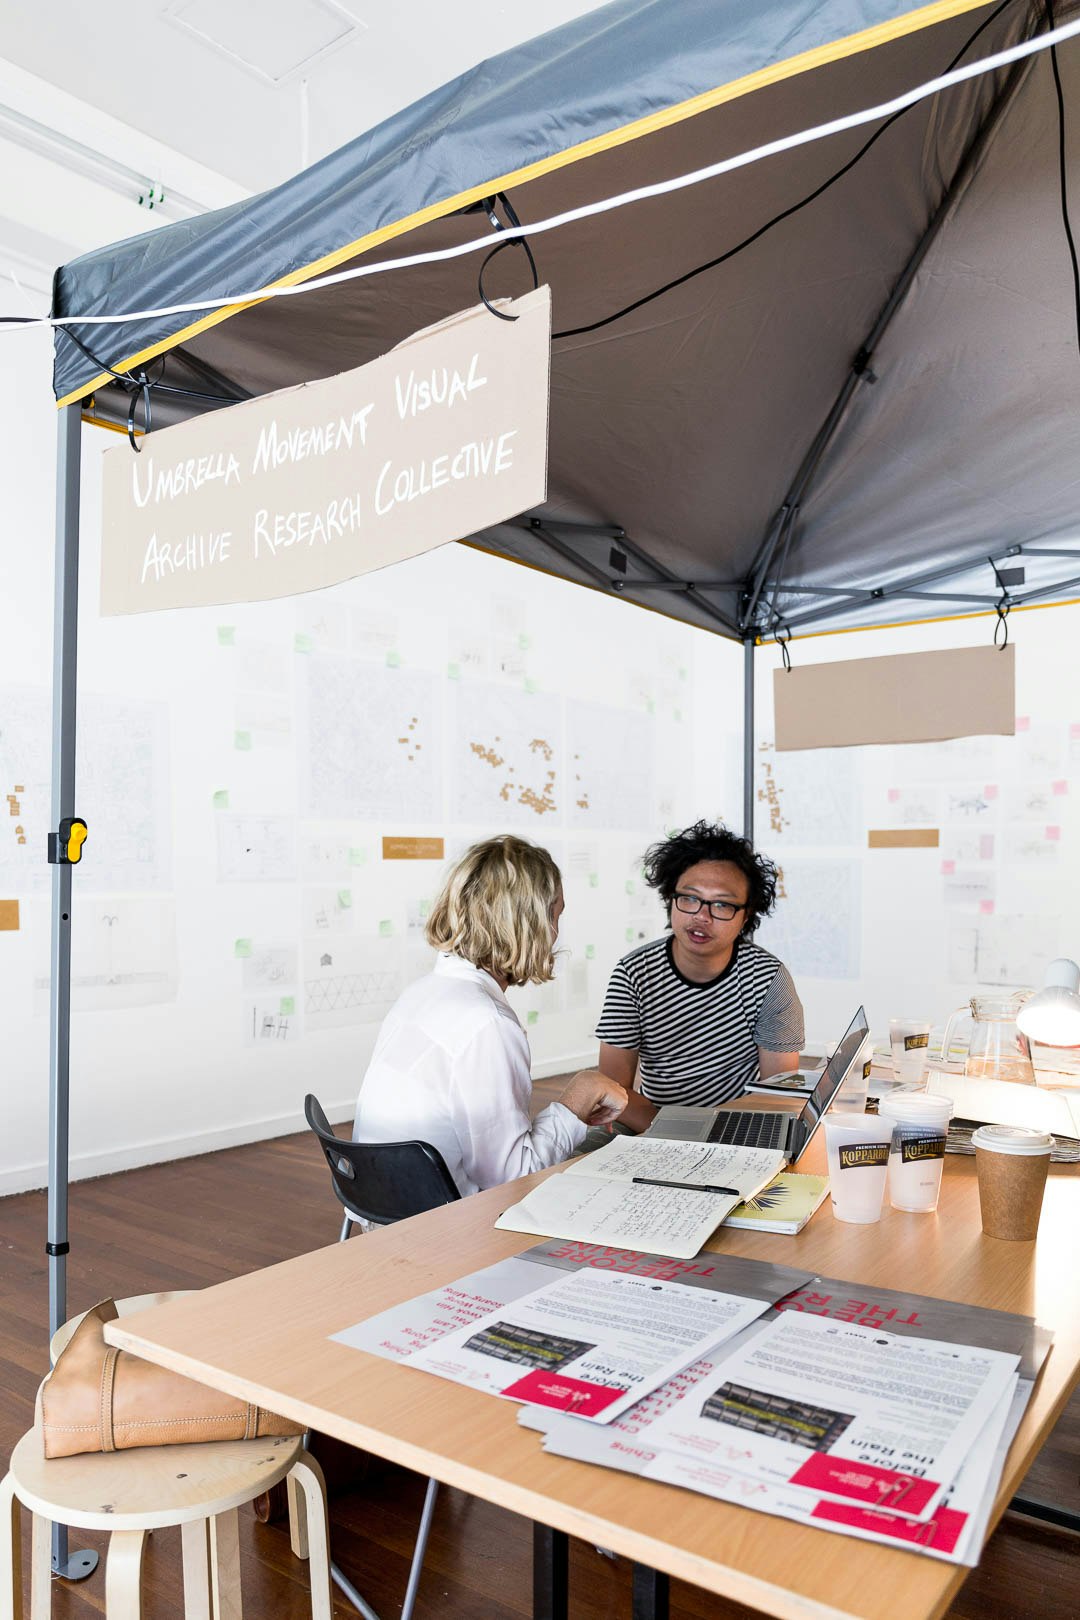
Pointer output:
855, 401
852, 418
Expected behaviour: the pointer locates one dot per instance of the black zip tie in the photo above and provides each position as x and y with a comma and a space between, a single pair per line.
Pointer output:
517, 241
1002, 611
143, 386
782, 642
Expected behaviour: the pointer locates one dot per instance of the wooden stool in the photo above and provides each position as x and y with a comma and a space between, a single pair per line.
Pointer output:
127, 1493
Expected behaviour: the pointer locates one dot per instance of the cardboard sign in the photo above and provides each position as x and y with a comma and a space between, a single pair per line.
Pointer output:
443, 436
413, 849
910, 697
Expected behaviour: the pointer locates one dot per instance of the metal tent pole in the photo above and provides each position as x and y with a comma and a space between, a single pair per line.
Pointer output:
748, 740
74, 1566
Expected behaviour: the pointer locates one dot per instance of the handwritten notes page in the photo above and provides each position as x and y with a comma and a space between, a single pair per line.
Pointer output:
592, 1343
597, 1201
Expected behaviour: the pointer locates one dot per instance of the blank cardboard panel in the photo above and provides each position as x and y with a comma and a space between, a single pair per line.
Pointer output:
911, 697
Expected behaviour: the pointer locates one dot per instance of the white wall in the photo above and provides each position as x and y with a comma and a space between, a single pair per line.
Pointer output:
239, 768
915, 932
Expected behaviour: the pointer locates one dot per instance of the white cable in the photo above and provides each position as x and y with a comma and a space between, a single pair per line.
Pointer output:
785, 143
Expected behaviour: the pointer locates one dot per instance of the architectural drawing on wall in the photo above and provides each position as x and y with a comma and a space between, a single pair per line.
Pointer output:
1035, 801
374, 632
609, 762
1029, 844
323, 622
768, 789
966, 844
1040, 749
272, 1021
349, 982
373, 741
970, 889
468, 653
261, 666
123, 792
816, 930
972, 804
1006, 950
329, 858
271, 967
123, 954
819, 792
952, 761
507, 757
913, 806
264, 719
256, 849
327, 911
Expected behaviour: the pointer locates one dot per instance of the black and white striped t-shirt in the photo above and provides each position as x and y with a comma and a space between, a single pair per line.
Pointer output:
698, 1043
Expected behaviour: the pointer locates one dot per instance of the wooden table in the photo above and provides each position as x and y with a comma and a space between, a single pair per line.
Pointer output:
266, 1337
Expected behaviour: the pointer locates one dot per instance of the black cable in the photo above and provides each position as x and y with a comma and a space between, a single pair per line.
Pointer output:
777, 219
1062, 172
518, 241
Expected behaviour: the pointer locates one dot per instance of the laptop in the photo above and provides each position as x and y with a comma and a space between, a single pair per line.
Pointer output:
789, 1134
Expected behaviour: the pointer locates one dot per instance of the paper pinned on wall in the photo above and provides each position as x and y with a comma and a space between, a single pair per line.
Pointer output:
903, 838
303, 488
256, 849
1005, 950
373, 742
968, 889
272, 1021
905, 698
349, 981
270, 967
816, 929
9, 916
123, 954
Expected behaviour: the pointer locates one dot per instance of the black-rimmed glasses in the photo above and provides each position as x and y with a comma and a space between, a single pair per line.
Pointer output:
721, 910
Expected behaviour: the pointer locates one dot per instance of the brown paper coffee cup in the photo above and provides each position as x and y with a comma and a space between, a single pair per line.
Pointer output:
1011, 1192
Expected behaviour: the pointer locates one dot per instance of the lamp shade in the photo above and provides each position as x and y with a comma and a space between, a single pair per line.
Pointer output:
1052, 1014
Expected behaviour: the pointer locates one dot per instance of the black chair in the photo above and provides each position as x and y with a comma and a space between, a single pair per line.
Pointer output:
382, 1182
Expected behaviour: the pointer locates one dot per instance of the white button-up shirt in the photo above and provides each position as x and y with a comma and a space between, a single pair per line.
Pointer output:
451, 1067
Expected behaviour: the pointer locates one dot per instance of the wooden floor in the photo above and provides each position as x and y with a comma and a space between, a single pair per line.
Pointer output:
199, 1221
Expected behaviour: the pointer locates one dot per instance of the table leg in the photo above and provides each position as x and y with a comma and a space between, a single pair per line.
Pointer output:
225, 1566
298, 1539
650, 1594
308, 1478
11, 1586
41, 1569
123, 1575
551, 1573
1061, 1517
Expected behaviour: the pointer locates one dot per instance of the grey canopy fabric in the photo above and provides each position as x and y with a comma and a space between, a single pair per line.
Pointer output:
866, 414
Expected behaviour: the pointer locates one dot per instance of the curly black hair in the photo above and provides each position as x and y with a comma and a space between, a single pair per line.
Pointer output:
665, 862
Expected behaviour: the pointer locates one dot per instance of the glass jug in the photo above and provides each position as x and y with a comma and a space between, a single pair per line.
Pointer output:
997, 1050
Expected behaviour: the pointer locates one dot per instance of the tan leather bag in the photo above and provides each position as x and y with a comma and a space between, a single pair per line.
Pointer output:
98, 1398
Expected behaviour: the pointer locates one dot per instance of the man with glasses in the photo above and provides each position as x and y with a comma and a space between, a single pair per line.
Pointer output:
704, 1010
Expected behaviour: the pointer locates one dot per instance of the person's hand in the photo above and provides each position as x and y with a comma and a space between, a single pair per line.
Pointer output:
594, 1098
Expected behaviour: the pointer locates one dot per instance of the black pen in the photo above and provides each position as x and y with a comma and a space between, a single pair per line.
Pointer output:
686, 1186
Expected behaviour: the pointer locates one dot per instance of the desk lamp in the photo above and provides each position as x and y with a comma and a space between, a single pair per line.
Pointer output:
1052, 1015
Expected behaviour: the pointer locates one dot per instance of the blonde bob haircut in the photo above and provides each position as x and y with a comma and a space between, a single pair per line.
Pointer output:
495, 910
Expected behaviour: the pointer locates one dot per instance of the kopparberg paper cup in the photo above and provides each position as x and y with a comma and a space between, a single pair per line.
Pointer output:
920, 1131
857, 1147
1012, 1163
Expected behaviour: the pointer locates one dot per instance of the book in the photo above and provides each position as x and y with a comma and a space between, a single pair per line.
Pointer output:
661, 1197
785, 1205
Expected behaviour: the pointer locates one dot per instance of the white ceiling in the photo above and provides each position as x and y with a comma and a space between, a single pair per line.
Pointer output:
164, 81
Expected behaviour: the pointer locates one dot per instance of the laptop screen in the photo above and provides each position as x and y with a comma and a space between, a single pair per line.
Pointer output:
833, 1076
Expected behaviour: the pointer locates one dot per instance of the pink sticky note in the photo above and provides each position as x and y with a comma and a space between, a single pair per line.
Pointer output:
986, 907
1074, 729
986, 847
948, 868
1061, 787
1054, 834
894, 795
990, 792
1023, 722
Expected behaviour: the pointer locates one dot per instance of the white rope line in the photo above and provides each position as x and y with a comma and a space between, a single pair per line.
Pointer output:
786, 143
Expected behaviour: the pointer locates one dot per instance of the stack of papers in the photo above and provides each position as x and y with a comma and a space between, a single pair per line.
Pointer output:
863, 1412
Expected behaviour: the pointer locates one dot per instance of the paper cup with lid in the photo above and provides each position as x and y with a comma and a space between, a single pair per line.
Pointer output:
1012, 1162
920, 1131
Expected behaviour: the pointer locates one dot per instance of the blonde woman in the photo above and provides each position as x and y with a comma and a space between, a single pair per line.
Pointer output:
451, 1063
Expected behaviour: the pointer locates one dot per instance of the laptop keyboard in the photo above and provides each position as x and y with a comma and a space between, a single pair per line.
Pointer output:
764, 1130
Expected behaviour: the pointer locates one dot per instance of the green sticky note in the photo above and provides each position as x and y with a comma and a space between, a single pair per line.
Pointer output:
531, 1017
630, 885
677, 714
386, 928
524, 641
393, 659
220, 800
594, 880
530, 684
650, 706
242, 740
629, 936
226, 635
344, 898
590, 953
453, 672
287, 1006
302, 642
682, 672
425, 908
357, 857
243, 947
